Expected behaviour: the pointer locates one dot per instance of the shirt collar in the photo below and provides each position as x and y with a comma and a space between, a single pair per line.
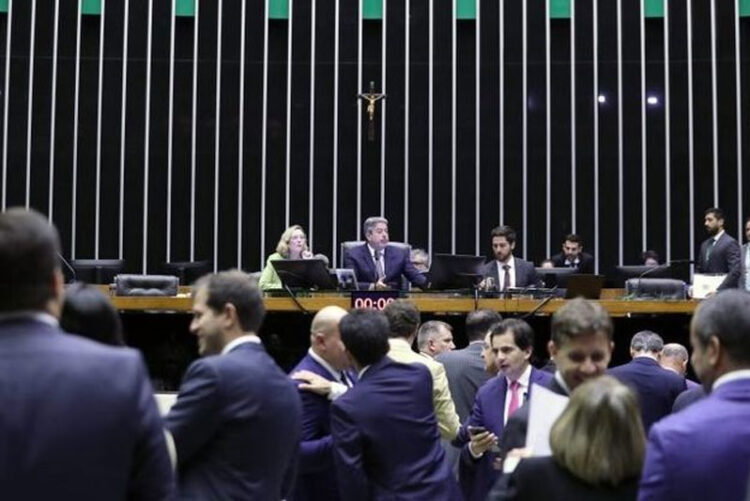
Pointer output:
38, 316
333, 372
523, 380
561, 382
247, 338
731, 376
577, 260
510, 262
372, 251
399, 343
362, 371
718, 236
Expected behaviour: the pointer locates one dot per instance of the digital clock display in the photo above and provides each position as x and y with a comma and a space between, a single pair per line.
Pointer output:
373, 300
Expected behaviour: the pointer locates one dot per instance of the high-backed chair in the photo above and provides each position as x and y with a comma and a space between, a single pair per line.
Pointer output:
187, 271
97, 271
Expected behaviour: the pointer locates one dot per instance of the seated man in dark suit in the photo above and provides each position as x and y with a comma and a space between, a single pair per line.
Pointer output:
78, 419
582, 347
327, 359
572, 255
237, 419
656, 387
703, 451
378, 265
512, 342
507, 271
385, 438
720, 253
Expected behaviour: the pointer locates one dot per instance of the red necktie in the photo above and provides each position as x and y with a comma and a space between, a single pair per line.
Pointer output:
514, 400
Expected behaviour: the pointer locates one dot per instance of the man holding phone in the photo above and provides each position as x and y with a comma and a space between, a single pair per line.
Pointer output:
512, 342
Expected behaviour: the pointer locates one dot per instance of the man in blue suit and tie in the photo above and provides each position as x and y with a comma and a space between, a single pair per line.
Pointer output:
78, 419
512, 342
236, 421
720, 253
324, 366
507, 271
703, 451
386, 440
379, 265
656, 387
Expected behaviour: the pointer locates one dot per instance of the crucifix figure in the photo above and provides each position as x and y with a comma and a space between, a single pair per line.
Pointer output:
371, 97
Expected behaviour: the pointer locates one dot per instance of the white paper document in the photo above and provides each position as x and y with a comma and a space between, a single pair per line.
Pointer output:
705, 284
545, 407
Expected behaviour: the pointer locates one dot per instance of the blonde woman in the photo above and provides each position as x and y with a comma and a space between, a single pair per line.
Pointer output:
598, 446
292, 245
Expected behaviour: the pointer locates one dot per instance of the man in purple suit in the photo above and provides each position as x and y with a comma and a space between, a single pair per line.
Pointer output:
379, 265
386, 443
327, 360
512, 342
703, 452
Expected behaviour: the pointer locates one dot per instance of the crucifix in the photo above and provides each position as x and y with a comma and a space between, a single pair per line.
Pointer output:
371, 97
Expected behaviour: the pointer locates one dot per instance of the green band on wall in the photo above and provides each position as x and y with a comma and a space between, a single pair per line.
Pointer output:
91, 7
745, 8
466, 9
3, 5
559, 9
278, 9
372, 9
184, 8
654, 8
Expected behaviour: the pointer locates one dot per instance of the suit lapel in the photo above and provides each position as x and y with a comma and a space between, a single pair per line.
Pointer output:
369, 263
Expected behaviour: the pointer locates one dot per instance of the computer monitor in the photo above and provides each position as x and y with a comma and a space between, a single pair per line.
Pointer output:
555, 277
584, 285
304, 273
97, 271
455, 271
635, 271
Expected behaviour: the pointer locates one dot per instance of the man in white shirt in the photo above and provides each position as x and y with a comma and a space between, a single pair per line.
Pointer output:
507, 271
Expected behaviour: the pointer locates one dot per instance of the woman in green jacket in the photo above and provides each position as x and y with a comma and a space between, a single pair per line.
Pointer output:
292, 245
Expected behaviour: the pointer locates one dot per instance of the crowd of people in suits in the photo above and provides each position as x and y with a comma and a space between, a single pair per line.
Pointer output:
378, 265
381, 407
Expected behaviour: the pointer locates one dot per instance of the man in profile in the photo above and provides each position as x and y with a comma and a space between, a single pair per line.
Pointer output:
572, 255
719, 253
379, 265
507, 271
385, 438
78, 419
582, 347
326, 359
656, 387
237, 419
703, 451
435, 338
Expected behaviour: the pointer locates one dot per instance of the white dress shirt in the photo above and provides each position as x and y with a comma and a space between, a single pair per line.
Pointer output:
501, 272
523, 391
337, 388
248, 338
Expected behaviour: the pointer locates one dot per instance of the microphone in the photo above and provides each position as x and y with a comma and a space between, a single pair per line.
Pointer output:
68, 266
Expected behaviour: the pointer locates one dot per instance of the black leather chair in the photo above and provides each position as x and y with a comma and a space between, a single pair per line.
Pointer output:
146, 285
187, 271
97, 271
655, 288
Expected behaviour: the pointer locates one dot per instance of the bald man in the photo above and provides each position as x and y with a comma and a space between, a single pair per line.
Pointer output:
674, 357
324, 366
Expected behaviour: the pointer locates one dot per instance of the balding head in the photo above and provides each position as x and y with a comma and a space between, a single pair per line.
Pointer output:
325, 338
674, 357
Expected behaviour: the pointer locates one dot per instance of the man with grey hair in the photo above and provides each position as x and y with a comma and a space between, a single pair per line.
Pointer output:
674, 357
656, 387
378, 265
435, 337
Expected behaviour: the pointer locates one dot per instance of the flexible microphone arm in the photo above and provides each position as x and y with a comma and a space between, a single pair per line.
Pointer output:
68, 266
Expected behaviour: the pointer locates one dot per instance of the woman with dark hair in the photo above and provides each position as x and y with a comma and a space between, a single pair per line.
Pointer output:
598, 446
88, 313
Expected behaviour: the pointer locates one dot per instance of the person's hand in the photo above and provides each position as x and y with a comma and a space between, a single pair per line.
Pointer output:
380, 285
511, 460
313, 382
482, 442
306, 254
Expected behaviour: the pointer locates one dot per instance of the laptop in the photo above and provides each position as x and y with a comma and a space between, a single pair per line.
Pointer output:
586, 286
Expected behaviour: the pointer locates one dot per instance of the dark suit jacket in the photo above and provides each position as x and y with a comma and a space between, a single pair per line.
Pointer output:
724, 258
656, 388
464, 369
78, 419
540, 478
526, 275
477, 476
386, 440
702, 452
236, 426
585, 264
688, 397
316, 478
397, 262
514, 433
